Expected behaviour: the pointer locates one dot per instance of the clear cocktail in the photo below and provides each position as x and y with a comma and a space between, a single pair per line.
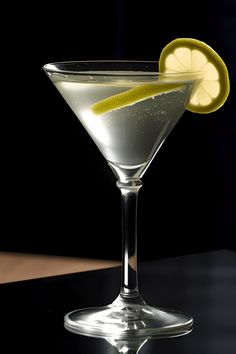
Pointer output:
128, 136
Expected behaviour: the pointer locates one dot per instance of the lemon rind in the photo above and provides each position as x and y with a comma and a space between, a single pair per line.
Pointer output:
132, 96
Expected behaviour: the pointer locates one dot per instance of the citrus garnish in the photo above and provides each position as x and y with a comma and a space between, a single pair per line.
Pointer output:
132, 96
187, 55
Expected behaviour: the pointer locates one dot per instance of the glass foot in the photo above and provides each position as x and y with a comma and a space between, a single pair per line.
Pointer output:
124, 321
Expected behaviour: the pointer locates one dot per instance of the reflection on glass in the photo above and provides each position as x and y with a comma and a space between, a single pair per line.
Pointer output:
127, 346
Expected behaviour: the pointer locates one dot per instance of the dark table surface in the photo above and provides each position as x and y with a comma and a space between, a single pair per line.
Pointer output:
203, 285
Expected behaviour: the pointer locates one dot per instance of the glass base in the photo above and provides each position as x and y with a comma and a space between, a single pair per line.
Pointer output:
123, 321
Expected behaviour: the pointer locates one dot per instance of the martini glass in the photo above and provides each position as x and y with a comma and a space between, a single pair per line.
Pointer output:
128, 130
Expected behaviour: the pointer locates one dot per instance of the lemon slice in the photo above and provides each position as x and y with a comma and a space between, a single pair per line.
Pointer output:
187, 55
132, 96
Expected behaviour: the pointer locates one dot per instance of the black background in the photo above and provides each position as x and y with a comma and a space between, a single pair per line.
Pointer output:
58, 194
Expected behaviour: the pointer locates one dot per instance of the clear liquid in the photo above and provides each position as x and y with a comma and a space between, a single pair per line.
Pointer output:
128, 137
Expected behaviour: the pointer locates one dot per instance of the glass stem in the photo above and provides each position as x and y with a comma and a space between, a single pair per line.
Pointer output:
129, 278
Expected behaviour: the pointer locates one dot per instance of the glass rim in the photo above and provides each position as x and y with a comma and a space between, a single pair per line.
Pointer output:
53, 67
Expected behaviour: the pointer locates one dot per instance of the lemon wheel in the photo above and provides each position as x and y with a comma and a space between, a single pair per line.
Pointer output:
186, 55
